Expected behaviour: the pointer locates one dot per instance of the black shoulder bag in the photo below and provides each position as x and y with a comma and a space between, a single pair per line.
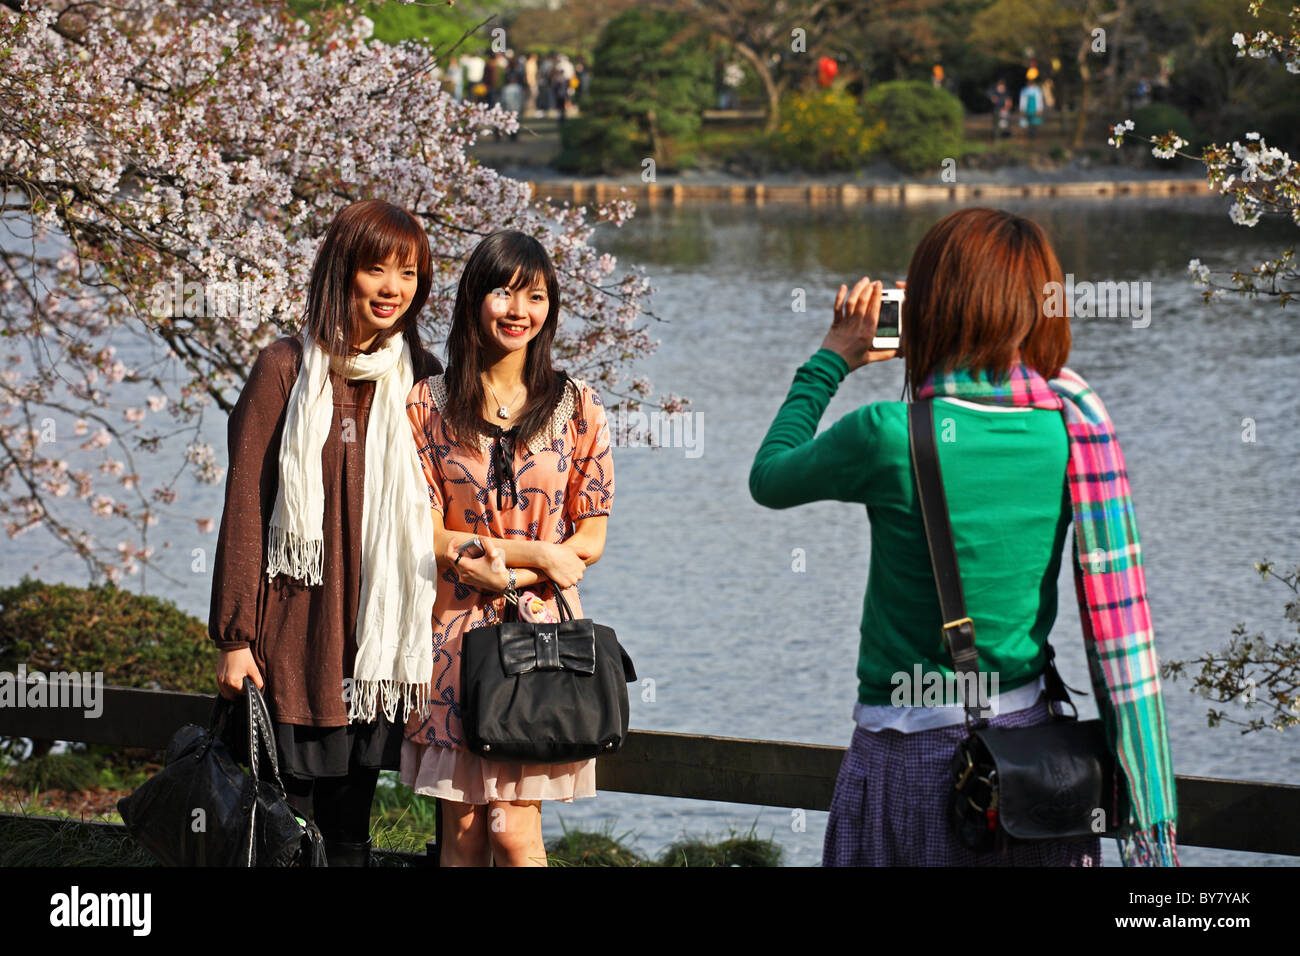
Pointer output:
1047, 782
201, 809
544, 693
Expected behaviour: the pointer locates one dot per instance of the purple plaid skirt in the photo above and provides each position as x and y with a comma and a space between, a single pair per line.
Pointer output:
890, 805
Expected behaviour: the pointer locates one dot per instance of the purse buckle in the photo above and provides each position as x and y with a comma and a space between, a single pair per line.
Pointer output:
960, 783
953, 625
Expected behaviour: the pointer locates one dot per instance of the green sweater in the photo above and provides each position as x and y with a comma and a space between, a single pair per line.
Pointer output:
1004, 477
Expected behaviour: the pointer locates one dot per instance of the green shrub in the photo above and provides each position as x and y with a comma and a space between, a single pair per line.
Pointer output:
437, 27
133, 639
824, 130
923, 123
652, 76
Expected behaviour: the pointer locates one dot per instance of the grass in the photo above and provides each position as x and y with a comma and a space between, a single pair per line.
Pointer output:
603, 848
42, 840
746, 850
47, 841
723, 140
401, 822
585, 848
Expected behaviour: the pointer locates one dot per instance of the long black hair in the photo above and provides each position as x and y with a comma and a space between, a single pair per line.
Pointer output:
501, 257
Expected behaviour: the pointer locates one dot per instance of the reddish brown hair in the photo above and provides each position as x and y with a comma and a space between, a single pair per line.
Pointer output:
976, 289
362, 234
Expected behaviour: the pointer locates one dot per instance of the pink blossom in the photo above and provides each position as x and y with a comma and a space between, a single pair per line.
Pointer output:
101, 439
231, 185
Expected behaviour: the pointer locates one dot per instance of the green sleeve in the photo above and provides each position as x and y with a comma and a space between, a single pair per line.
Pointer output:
792, 467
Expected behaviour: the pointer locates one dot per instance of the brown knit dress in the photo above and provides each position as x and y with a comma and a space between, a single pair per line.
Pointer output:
303, 638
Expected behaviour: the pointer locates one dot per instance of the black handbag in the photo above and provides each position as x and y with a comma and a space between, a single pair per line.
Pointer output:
201, 809
544, 693
1047, 782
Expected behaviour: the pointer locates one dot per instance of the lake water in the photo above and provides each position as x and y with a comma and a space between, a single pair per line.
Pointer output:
697, 578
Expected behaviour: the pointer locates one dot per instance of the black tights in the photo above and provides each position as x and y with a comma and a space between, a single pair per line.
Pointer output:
340, 806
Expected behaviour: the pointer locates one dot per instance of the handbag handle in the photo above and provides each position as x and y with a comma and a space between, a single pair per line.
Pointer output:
261, 737
566, 613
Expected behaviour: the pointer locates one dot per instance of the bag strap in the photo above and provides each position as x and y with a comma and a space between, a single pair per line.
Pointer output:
566, 613
958, 628
261, 737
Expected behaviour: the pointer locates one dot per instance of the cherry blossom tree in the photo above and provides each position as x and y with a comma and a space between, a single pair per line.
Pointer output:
168, 168
1262, 180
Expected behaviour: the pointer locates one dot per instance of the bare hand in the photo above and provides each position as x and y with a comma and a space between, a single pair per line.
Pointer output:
563, 565
231, 670
487, 573
856, 314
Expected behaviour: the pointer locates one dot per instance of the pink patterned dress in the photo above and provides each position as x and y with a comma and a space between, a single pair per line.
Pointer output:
563, 474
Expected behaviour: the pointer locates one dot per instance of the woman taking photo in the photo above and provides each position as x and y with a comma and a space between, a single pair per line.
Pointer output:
517, 459
323, 567
1027, 447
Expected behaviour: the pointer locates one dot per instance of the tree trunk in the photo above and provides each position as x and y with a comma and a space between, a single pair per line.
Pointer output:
1085, 75
769, 85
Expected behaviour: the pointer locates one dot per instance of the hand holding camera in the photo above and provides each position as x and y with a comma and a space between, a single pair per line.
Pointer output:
867, 325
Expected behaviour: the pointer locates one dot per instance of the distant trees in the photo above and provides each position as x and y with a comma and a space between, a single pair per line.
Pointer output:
652, 77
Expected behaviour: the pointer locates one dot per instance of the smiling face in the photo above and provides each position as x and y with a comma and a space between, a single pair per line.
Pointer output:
512, 317
381, 294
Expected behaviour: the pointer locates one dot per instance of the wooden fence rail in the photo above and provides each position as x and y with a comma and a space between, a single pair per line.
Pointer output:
1224, 814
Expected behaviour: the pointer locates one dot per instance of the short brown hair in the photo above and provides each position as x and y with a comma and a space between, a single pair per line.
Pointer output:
976, 289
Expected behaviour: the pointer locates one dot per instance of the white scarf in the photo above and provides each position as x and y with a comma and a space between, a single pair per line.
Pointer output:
398, 567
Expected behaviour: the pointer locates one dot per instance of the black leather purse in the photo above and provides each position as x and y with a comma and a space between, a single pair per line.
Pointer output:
544, 693
201, 809
1047, 782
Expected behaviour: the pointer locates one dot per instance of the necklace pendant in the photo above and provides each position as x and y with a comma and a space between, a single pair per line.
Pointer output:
503, 412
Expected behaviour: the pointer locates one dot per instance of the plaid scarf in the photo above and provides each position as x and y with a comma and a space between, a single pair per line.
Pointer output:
1111, 590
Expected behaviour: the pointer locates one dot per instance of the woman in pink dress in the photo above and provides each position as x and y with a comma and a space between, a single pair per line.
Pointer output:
516, 454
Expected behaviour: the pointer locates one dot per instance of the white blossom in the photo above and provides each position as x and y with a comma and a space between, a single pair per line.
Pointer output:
232, 182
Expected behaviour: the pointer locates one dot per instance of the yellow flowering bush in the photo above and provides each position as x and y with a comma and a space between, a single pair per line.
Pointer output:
823, 130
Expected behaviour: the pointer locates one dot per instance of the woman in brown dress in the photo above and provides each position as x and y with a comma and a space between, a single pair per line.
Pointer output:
323, 560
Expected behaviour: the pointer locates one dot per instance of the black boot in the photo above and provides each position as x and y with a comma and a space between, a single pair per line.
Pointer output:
341, 853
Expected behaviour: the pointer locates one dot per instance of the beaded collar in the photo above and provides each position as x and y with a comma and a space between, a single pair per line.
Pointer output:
555, 428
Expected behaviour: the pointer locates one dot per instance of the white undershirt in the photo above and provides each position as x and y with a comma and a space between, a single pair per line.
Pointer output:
911, 720
980, 407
